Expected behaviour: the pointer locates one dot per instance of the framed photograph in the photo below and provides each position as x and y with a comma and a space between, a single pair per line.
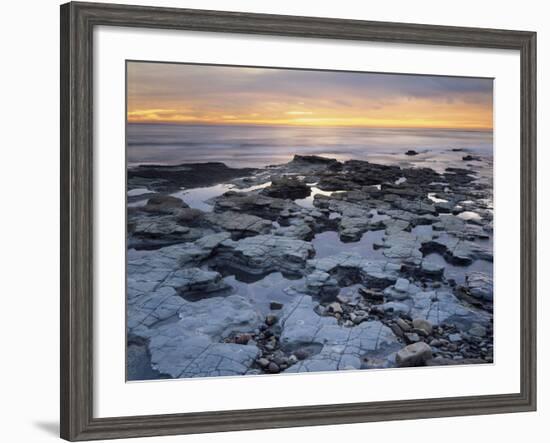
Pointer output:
273, 221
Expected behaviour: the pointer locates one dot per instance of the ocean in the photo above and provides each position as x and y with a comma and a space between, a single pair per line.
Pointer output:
258, 146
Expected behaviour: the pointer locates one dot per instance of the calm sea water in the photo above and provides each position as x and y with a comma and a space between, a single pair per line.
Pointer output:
256, 146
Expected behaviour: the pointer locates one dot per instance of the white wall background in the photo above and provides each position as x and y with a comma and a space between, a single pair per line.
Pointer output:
29, 265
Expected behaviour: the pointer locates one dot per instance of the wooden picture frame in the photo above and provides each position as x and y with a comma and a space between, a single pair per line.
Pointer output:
77, 23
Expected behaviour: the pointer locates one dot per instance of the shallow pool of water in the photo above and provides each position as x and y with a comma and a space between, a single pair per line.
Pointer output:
308, 201
328, 243
269, 289
458, 273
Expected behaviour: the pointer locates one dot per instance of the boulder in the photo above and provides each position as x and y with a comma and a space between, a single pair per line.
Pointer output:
416, 354
287, 188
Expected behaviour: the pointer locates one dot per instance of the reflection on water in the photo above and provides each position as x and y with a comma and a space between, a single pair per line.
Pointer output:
271, 288
197, 197
308, 201
458, 273
329, 243
257, 146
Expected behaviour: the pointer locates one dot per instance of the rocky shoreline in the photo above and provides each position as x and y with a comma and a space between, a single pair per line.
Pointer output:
312, 265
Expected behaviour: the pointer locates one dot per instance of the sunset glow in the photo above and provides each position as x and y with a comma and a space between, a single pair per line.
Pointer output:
201, 94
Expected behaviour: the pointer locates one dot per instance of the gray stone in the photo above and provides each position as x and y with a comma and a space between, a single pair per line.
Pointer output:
422, 324
480, 285
416, 354
412, 337
287, 187
455, 338
477, 331
335, 308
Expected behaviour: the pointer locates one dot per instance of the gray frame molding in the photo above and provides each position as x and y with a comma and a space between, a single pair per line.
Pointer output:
77, 24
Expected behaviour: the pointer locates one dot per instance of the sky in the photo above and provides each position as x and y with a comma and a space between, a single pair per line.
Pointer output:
209, 94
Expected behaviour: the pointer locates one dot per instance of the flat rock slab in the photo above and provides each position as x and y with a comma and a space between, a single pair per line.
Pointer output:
265, 253
191, 345
241, 225
351, 268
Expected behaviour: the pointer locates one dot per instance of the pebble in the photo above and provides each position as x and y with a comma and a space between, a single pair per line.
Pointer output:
477, 331
263, 362
412, 337
271, 319
424, 325
403, 325
453, 338
273, 368
335, 308
413, 355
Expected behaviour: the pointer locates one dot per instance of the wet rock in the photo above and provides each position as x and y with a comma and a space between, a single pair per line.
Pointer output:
164, 204
372, 295
255, 204
335, 308
159, 231
401, 290
401, 285
459, 252
351, 268
172, 178
411, 152
477, 331
454, 338
431, 269
321, 283
416, 354
191, 281
239, 225
188, 216
287, 188
265, 253
439, 306
297, 228
480, 285
352, 228
402, 246
411, 337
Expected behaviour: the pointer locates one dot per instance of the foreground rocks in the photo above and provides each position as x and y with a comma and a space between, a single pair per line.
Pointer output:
241, 285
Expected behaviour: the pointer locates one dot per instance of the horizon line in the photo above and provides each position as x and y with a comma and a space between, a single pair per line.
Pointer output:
173, 123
